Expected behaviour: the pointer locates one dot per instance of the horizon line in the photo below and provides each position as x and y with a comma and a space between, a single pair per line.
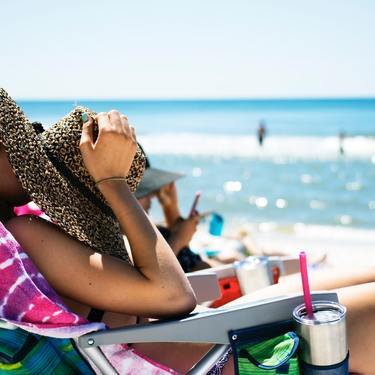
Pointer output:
207, 99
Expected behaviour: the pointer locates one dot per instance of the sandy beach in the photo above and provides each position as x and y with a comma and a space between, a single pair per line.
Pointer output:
342, 246
329, 246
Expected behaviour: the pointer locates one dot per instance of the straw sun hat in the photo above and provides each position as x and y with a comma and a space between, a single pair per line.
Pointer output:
50, 167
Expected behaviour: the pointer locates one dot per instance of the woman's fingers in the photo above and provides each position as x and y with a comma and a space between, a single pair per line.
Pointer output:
103, 121
129, 130
125, 125
115, 120
132, 130
113, 151
87, 137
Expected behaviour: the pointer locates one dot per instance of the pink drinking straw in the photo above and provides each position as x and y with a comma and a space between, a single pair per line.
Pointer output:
305, 284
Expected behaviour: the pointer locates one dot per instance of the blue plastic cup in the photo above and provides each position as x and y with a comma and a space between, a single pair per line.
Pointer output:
216, 224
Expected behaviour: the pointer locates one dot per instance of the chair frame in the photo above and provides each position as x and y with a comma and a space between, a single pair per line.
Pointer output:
206, 327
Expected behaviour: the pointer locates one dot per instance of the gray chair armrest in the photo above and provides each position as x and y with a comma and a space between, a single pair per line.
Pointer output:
226, 270
205, 285
289, 263
205, 327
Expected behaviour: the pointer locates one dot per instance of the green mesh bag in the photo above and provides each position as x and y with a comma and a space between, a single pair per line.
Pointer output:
269, 349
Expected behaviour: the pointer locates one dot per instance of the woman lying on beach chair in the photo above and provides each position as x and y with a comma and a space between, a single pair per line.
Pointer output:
82, 255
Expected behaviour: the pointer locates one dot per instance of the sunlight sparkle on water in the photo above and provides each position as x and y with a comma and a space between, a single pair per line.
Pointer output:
353, 186
345, 219
317, 205
196, 172
261, 202
281, 203
306, 179
232, 186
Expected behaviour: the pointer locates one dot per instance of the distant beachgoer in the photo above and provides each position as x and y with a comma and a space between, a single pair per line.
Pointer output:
261, 132
341, 142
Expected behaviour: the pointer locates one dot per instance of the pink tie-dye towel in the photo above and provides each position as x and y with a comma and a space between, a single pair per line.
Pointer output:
27, 301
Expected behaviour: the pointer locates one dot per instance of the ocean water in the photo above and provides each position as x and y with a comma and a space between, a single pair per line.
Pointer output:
298, 176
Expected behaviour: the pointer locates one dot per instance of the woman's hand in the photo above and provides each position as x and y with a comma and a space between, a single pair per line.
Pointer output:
112, 153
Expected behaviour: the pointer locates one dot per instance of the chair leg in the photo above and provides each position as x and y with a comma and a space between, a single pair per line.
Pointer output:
99, 359
209, 360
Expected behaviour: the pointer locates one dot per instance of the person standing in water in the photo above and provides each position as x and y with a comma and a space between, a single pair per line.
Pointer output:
261, 132
341, 142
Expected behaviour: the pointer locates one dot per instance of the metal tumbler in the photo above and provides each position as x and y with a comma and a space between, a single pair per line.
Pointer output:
323, 339
252, 274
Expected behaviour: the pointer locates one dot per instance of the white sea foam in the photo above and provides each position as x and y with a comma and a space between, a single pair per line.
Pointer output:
278, 148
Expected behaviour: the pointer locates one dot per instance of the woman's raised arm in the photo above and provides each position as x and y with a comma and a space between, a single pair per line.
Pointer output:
111, 155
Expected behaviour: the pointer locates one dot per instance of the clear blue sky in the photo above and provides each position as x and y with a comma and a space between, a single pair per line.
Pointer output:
187, 49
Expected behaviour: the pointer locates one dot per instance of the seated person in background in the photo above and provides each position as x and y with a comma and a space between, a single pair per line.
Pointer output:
177, 231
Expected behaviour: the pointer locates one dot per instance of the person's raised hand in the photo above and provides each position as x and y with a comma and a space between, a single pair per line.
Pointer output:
184, 229
167, 195
168, 200
112, 153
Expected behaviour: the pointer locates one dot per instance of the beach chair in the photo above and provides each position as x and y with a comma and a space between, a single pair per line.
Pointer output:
29, 304
205, 284
218, 327
215, 326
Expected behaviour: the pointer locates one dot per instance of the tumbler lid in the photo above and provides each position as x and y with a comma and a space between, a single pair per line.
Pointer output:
324, 312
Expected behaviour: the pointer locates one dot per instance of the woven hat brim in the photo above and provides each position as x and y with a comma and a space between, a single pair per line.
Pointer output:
153, 180
66, 206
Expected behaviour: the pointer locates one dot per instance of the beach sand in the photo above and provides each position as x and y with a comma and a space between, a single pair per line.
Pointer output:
329, 245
